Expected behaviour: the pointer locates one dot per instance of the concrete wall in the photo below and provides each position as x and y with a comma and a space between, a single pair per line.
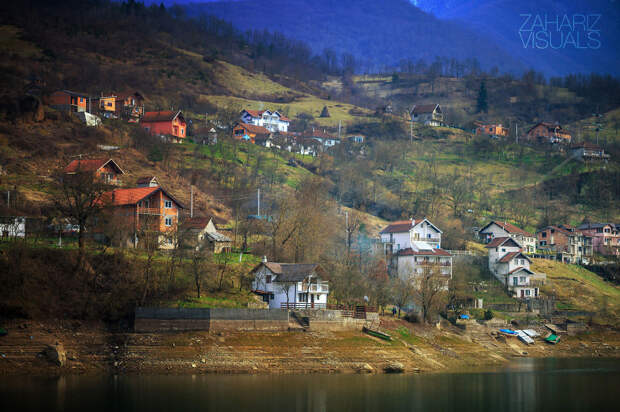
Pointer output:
207, 319
332, 320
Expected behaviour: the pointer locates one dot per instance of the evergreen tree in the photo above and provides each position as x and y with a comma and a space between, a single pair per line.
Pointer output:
482, 103
325, 112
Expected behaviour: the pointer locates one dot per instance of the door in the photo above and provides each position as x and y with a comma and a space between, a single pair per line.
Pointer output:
522, 293
312, 300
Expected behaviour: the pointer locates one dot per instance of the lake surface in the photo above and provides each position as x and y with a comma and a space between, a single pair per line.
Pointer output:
524, 385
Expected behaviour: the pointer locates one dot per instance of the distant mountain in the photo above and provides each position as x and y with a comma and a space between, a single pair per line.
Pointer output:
377, 32
503, 20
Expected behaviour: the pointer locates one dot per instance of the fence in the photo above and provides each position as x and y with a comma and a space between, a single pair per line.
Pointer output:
302, 305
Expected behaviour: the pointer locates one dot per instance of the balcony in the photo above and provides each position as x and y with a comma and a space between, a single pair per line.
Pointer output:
322, 287
149, 211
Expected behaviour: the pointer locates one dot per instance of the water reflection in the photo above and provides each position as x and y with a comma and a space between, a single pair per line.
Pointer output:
530, 384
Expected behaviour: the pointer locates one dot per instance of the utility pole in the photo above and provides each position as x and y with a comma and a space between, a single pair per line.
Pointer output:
346, 219
258, 202
517, 132
339, 127
191, 201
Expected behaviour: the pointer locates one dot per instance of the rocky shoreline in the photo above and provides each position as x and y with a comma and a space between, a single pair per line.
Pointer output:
50, 348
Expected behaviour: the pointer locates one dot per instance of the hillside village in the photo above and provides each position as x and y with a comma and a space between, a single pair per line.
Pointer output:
178, 193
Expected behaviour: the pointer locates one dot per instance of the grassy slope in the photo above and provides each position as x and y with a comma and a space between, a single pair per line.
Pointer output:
578, 288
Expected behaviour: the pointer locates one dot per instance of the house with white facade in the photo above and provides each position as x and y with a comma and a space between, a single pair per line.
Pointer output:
291, 285
401, 234
427, 114
413, 247
511, 266
272, 121
12, 227
496, 229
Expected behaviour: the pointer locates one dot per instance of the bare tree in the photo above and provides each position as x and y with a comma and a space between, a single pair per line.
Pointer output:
430, 290
402, 292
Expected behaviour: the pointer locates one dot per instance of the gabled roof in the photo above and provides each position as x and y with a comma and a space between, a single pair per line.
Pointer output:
558, 229
218, 237
161, 116
501, 241
587, 226
424, 108
127, 197
401, 226
509, 256
253, 128
200, 222
90, 165
508, 227
550, 127
290, 272
519, 269
259, 113
147, 180
428, 252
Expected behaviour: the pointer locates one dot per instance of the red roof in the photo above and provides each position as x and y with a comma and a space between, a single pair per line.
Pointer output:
510, 228
163, 116
399, 226
89, 165
518, 269
202, 222
430, 252
128, 197
259, 113
509, 256
253, 128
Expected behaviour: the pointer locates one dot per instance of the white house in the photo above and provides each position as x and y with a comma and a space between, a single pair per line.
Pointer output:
412, 262
427, 114
413, 247
401, 234
497, 229
12, 227
273, 121
290, 285
511, 266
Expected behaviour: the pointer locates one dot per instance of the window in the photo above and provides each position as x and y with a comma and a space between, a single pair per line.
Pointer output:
527, 292
181, 131
503, 249
268, 279
515, 281
168, 221
522, 279
168, 204
544, 234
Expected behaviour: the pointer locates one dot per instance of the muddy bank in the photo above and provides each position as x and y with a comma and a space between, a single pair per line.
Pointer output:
90, 348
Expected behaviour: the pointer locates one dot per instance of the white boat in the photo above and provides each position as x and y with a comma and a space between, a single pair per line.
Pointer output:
524, 337
531, 333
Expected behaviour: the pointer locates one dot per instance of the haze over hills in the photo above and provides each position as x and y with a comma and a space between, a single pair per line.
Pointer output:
377, 33
383, 33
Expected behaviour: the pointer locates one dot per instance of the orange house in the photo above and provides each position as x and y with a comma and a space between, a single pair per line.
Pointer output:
107, 170
145, 209
166, 123
548, 133
492, 130
249, 132
69, 101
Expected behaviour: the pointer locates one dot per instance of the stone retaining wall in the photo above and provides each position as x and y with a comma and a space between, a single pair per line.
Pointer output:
207, 319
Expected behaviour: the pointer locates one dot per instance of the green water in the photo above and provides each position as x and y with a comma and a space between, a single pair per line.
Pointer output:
524, 385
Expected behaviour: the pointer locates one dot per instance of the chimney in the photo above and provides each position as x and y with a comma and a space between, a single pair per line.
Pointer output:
264, 259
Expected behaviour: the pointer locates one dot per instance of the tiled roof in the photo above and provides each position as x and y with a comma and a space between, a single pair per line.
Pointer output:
259, 113
201, 222
162, 116
90, 165
253, 128
508, 227
424, 108
509, 256
127, 197
399, 226
519, 269
429, 252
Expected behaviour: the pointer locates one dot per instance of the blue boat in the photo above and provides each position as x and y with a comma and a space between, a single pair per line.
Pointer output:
508, 332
